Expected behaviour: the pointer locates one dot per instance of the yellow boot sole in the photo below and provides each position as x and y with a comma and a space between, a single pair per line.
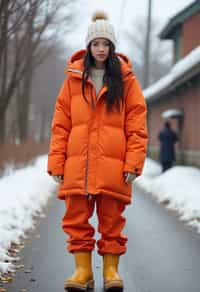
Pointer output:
75, 287
113, 286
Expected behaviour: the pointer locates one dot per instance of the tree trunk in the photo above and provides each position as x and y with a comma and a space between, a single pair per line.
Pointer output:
23, 107
2, 126
43, 125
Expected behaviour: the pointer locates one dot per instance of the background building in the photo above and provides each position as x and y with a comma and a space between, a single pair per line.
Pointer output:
177, 95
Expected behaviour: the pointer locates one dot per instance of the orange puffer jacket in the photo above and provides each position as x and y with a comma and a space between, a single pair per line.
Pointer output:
91, 147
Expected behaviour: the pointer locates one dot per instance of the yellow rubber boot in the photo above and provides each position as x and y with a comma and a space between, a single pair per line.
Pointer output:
112, 280
82, 278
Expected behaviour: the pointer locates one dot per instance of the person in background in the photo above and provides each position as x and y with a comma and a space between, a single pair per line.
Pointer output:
167, 138
97, 149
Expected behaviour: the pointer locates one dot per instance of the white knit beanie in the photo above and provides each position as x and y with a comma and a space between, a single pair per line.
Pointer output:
100, 28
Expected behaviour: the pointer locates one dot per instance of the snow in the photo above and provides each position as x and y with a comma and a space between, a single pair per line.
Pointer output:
23, 194
177, 71
178, 186
172, 113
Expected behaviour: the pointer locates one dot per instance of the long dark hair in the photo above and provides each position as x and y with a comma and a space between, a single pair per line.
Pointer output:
112, 78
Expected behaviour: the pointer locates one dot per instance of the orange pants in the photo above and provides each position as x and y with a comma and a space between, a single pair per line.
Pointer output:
110, 224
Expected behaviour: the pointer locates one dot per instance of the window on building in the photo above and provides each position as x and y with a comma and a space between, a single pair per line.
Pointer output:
177, 45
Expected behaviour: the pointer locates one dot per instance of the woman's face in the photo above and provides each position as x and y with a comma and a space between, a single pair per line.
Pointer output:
100, 49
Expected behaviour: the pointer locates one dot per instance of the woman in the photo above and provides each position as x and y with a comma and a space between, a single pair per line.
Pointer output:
98, 147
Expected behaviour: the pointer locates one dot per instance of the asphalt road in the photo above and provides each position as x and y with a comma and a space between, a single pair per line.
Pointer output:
163, 253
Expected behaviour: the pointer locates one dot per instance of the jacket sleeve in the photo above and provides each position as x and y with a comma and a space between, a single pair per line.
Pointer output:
135, 128
60, 130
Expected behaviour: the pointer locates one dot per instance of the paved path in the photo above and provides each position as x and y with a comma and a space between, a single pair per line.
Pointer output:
163, 253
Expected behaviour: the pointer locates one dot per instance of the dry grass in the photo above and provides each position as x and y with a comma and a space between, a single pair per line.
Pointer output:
19, 155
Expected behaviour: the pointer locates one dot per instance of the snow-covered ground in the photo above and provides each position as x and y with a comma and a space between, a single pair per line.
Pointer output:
24, 192
179, 187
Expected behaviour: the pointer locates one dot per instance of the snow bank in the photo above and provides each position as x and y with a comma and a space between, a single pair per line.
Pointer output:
179, 186
150, 171
23, 193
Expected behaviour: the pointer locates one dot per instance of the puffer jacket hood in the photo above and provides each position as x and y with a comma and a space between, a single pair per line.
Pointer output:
75, 64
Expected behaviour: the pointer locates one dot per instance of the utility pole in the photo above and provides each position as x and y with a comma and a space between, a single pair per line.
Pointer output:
147, 47
121, 17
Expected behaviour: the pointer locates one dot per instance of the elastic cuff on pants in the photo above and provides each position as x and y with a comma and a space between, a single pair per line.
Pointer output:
80, 250
111, 252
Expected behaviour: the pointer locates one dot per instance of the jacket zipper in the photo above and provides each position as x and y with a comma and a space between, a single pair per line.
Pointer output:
86, 176
87, 158
87, 163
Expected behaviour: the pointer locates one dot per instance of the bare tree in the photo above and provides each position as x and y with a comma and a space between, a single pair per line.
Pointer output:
33, 33
47, 80
28, 29
11, 17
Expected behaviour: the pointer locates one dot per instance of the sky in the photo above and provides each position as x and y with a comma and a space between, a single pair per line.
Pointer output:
122, 14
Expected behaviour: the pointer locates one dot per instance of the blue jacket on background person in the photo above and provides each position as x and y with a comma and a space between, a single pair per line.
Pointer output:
167, 138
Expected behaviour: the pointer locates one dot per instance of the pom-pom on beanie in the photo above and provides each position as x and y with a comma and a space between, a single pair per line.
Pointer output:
100, 28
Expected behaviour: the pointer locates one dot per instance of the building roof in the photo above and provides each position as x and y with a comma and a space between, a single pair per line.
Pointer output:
183, 71
178, 19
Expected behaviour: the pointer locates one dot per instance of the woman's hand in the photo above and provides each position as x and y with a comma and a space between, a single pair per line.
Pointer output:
58, 178
129, 177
